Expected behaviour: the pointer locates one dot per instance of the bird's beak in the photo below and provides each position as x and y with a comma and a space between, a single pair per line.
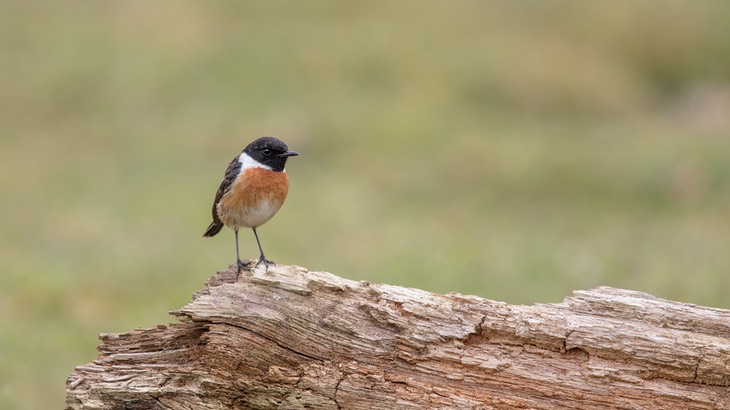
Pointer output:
289, 153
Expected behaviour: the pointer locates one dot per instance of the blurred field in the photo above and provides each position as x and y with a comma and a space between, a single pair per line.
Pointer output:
510, 150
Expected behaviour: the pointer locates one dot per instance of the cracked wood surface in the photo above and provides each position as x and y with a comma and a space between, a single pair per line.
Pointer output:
291, 338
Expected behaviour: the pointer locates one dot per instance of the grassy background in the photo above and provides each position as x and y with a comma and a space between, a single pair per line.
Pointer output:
512, 150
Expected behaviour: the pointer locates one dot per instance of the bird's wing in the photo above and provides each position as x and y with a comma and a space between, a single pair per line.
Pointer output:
234, 168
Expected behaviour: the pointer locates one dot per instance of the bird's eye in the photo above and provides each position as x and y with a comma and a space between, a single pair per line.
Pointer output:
266, 152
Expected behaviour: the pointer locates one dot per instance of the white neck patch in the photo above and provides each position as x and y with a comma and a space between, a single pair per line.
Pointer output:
248, 162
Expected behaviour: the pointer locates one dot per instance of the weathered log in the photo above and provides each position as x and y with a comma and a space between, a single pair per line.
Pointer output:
291, 338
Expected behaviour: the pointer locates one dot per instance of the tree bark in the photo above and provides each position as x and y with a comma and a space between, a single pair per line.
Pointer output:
291, 338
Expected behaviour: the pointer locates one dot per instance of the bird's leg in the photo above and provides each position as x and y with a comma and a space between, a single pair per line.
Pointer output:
241, 264
262, 258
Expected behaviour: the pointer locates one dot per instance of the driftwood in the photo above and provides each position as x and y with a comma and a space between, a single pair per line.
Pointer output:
291, 338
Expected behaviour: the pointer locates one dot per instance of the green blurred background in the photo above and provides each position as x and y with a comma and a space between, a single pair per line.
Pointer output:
516, 151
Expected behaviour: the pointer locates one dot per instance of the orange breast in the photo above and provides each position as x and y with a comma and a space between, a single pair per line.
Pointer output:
254, 197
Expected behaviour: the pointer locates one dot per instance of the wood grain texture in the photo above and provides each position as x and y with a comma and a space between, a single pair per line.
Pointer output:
298, 339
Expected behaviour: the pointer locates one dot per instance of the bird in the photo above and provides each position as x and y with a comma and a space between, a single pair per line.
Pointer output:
253, 190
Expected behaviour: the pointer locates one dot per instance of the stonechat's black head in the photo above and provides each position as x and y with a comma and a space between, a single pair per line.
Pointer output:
270, 151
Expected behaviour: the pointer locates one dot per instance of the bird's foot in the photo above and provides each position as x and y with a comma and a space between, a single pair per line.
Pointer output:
247, 266
266, 263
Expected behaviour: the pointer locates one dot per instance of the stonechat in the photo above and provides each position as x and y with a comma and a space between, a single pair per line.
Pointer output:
252, 191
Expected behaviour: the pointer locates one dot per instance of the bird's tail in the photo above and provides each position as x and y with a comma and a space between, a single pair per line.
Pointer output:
214, 228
